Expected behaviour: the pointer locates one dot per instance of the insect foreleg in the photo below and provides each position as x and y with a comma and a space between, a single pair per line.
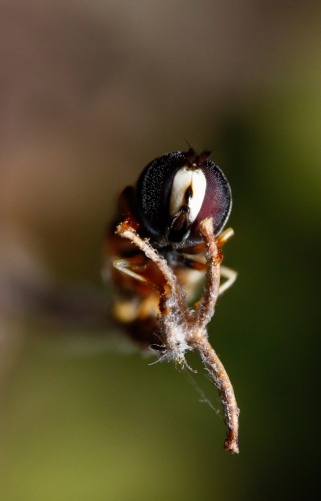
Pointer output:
134, 267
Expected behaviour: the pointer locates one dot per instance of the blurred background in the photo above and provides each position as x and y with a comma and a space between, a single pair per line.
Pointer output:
91, 91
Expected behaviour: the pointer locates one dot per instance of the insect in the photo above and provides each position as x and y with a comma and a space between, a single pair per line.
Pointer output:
165, 239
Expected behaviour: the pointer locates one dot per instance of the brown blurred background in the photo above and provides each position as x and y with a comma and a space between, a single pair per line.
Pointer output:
90, 93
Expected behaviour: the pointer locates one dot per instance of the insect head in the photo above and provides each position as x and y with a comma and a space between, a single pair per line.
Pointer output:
175, 192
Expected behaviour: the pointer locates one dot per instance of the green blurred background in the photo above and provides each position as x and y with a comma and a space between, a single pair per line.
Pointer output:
90, 93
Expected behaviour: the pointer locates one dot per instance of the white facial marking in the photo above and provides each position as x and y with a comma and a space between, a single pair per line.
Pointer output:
195, 182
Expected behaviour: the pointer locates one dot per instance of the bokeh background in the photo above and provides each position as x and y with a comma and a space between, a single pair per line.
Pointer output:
91, 91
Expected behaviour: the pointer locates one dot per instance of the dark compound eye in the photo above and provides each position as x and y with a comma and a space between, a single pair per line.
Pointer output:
175, 192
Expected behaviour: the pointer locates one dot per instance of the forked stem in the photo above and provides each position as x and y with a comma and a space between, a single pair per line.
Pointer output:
182, 329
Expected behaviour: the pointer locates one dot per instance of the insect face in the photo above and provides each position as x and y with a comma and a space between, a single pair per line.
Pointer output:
175, 192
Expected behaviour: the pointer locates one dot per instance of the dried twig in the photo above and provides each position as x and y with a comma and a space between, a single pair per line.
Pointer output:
182, 329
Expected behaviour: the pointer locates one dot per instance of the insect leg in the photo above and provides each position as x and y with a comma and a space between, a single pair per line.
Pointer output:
223, 237
139, 306
192, 261
230, 276
131, 266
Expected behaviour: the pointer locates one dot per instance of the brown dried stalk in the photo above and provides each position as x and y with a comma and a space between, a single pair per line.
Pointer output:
183, 329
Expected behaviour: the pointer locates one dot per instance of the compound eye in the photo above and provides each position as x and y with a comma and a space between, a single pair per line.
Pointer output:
152, 195
217, 202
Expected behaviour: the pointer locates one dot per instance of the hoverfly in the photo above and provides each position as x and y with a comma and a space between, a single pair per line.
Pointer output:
166, 237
